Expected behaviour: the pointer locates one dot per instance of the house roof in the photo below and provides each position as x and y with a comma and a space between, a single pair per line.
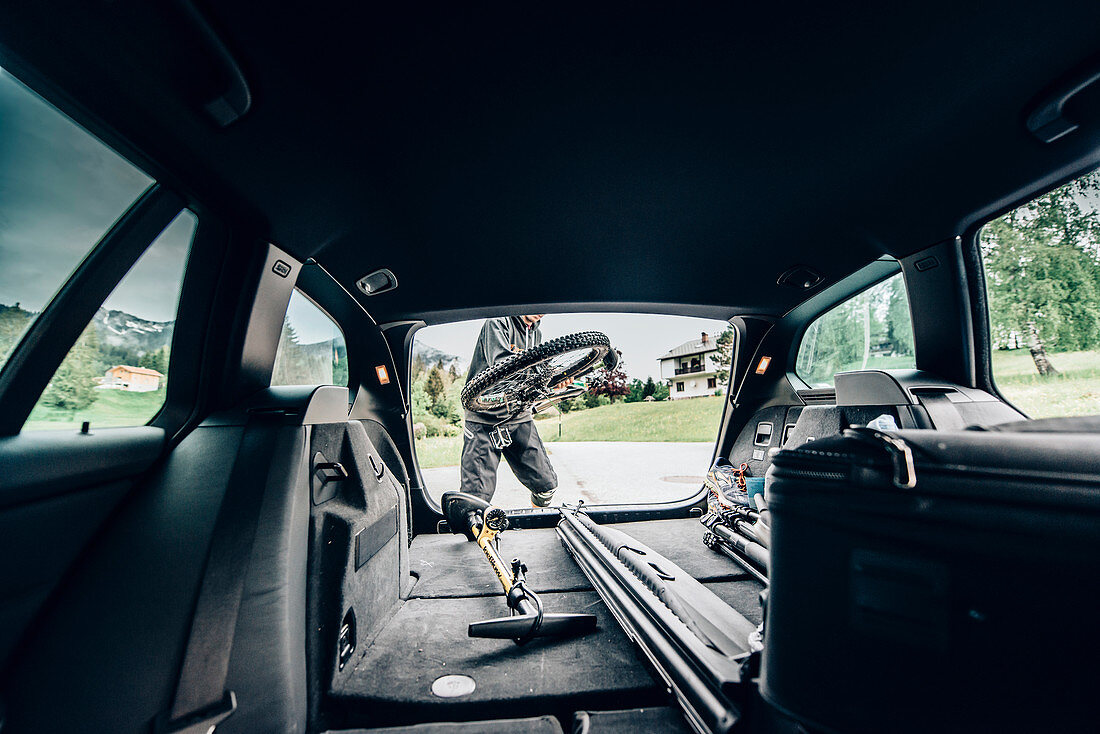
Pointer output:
137, 370
694, 346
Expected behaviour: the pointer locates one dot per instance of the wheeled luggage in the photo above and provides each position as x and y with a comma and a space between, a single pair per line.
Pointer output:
937, 581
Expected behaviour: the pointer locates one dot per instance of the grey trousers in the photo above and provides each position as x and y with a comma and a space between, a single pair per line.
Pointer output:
526, 456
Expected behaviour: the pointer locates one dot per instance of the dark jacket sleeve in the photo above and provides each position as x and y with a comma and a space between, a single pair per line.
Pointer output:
496, 341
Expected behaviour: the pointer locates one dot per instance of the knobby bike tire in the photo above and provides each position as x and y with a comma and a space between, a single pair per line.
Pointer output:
596, 342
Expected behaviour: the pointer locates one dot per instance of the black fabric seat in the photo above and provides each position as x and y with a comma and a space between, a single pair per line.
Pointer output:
105, 654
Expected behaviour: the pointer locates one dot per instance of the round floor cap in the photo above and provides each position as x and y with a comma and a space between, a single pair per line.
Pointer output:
453, 686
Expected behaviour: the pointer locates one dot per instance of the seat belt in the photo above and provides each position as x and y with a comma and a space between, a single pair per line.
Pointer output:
202, 701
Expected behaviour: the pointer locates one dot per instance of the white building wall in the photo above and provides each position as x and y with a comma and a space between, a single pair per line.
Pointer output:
695, 385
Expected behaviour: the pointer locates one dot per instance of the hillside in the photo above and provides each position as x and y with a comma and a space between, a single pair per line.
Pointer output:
430, 356
122, 337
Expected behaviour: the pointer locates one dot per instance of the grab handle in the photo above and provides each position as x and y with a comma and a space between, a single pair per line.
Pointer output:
1047, 121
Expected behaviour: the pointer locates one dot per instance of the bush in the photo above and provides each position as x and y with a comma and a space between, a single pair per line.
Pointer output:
435, 426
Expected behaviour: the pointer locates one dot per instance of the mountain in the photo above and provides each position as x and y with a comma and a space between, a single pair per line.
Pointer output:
431, 356
127, 332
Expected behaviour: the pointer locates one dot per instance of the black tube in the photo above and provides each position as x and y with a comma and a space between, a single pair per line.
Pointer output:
755, 552
697, 676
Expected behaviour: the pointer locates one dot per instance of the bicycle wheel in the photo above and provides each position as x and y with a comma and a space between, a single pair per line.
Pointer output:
519, 381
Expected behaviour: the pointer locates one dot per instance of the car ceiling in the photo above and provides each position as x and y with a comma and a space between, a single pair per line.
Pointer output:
674, 159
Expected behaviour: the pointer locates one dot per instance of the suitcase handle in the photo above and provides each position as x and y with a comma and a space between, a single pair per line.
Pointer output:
905, 471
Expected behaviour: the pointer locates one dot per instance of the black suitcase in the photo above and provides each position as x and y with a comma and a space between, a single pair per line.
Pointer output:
937, 581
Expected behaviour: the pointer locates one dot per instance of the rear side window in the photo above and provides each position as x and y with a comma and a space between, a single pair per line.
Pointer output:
1042, 269
312, 350
873, 330
117, 372
60, 191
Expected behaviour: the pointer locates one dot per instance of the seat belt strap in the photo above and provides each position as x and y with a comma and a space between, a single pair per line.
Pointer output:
201, 701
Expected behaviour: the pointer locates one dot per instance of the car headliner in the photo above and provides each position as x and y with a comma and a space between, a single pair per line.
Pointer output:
605, 158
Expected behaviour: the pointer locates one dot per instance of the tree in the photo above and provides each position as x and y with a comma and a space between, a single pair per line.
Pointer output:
611, 383
434, 386
291, 360
417, 368
1043, 272
453, 372
13, 322
661, 393
155, 360
636, 391
899, 324
73, 385
724, 356
650, 387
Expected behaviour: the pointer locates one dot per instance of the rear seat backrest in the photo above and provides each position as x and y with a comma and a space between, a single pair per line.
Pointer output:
105, 654
359, 552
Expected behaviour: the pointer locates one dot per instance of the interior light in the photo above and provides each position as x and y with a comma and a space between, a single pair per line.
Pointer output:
762, 365
383, 374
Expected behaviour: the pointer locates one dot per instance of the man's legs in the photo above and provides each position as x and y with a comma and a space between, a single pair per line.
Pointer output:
529, 462
479, 461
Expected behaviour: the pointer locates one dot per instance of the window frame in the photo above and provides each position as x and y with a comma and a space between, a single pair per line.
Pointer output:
39, 353
808, 321
974, 266
297, 288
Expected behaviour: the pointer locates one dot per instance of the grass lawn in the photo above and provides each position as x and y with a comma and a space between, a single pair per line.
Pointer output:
1074, 391
438, 451
111, 408
695, 419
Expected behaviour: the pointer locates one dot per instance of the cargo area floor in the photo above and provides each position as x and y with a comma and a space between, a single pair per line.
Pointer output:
426, 638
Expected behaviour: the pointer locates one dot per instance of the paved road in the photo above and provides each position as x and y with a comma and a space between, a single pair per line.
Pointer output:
601, 472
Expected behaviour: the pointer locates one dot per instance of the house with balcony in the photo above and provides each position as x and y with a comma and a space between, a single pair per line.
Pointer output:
691, 369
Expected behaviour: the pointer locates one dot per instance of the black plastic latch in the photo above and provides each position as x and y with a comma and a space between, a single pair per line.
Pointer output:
326, 478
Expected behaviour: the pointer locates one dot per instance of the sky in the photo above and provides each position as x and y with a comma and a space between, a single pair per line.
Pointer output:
60, 191
642, 338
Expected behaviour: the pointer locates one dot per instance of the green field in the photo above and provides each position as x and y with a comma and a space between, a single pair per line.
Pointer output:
111, 408
695, 419
1074, 391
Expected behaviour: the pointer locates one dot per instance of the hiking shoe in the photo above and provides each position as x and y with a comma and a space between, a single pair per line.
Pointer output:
722, 489
542, 499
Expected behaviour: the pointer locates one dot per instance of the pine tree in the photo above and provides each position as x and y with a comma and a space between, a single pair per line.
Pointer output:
73, 385
434, 386
650, 387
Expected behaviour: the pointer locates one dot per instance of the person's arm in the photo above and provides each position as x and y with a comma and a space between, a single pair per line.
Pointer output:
496, 341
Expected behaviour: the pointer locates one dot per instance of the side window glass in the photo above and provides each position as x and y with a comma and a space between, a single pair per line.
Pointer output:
60, 191
117, 372
873, 330
311, 348
1042, 270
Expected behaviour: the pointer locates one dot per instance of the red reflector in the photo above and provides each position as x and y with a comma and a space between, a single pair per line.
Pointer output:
762, 365
383, 375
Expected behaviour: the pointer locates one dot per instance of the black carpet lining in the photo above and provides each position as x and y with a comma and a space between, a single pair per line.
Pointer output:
449, 566
427, 638
389, 680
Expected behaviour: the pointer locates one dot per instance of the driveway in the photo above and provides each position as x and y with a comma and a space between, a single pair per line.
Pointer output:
601, 472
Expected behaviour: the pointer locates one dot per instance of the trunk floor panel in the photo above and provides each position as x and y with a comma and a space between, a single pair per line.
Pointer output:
427, 638
451, 566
